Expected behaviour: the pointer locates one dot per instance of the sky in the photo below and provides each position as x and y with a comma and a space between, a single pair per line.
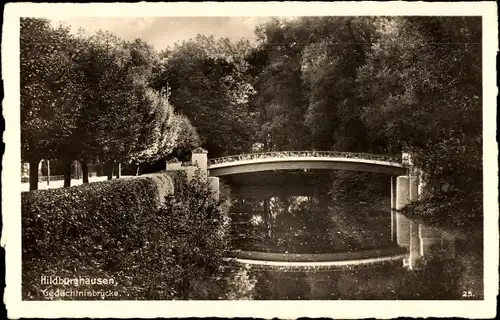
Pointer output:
165, 31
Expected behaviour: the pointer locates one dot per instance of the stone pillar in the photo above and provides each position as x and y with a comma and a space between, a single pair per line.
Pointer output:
214, 186
200, 160
393, 209
414, 226
414, 244
402, 223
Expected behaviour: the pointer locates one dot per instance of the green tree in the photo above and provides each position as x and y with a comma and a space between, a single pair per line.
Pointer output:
336, 48
422, 91
123, 119
208, 85
49, 92
280, 102
188, 138
305, 74
160, 131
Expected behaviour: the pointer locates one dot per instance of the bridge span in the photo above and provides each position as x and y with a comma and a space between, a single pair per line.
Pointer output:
305, 160
406, 186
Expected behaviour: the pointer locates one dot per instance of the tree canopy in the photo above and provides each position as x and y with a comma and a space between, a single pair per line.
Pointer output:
90, 98
365, 84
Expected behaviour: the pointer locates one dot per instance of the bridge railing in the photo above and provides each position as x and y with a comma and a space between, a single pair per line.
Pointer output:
319, 154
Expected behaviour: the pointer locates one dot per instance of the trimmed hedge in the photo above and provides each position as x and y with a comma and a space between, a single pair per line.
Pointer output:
90, 230
164, 186
116, 230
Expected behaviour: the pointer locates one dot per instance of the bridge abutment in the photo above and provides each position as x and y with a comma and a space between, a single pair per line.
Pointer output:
407, 229
420, 239
200, 160
393, 209
214, 186
402, 200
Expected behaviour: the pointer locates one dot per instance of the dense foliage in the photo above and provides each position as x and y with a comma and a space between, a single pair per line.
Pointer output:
89, 98
172, 249
368, 84
422, 91
88, 229
209, 85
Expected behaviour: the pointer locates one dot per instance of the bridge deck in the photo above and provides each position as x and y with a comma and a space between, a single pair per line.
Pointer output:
306, 160
315, 262
318, 257
302, 159
275, 155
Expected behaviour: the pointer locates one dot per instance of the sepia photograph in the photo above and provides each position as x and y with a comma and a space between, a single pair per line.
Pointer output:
249, 156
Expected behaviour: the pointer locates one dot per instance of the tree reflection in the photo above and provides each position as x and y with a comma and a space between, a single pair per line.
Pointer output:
286, 223
317, 220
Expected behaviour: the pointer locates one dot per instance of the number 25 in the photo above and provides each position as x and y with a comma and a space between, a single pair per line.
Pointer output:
467, 294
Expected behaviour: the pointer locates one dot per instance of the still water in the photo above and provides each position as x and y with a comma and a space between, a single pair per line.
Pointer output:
282, 215
308, 224
299, 224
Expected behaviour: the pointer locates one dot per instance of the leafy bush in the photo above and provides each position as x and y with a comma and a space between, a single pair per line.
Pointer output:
116, 230
188, 236
164, 185
455, 209
92, 230
196, 232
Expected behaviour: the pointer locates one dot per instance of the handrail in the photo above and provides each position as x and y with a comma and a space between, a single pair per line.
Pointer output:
284, 154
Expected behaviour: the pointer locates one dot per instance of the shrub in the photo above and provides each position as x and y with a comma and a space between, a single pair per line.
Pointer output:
92, 230
164, 185
116, 230
455, 209
194, 230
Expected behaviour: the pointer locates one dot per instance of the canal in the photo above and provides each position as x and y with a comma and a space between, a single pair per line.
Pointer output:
298, 214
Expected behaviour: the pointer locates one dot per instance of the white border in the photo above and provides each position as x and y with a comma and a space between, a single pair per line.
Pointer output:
267, 309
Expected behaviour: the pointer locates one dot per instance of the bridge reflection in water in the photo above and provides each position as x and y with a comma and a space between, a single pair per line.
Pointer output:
308, 246
281, 204
293, 213
293, 234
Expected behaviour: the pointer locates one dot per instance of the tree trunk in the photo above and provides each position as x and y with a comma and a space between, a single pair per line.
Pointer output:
85, 171
67, 173
109, 169
34, 174
77, 169
137, 170
119, 170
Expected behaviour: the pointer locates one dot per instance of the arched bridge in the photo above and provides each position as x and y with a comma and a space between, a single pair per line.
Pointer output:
305, 160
